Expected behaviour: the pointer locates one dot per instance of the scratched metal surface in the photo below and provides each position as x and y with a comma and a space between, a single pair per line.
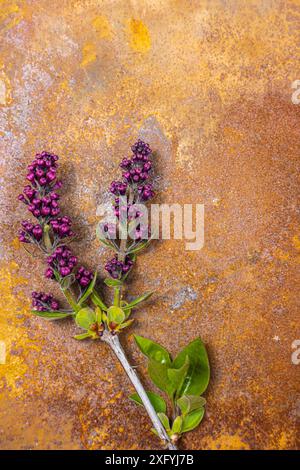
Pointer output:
208, 85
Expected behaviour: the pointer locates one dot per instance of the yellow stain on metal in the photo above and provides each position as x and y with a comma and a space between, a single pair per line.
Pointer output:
139, 36
89, 54
102, 27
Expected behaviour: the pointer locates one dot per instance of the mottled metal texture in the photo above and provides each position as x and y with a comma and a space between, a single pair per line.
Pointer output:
208, 85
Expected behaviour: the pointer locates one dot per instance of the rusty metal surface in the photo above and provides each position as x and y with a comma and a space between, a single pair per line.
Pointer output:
208, 85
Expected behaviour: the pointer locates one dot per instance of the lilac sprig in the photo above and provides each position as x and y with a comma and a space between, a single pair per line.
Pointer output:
50, 231
135, 186
42, 202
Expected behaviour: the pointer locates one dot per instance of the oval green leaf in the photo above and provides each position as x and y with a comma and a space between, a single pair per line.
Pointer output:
164, 420
192, 420
112, 282
177, 425
85, 318
157, 401
138, 300
177, 376
188, 403
153, 350
198, 374
52, 315
116, 314
159, 375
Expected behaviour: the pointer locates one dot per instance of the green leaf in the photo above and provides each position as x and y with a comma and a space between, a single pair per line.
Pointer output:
139, 247
89, 290
164, 420
188, 403
52, 315
98, 313
85, 318
56, 275
115, 314
123, 305
153, 350
158, 373
126, 324
157, 401
197, 377
66, 282
83, 336
98, 301
192, 420
104, 241
112, 282
177, 424
177, 376
138, 300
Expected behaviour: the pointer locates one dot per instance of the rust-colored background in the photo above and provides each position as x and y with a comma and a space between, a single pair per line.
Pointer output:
208, 84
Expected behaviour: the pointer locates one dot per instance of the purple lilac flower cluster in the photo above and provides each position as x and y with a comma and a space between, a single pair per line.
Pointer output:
30, 232
44, 302
117, 268
137, 169
62, 260
62, 226
136, 173
42, 171
42, 207
84, 276
42, 199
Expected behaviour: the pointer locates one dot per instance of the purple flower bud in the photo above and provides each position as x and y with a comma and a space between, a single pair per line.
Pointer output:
37, 232
44, 302
84, 281
30, 177
65, 271
84, 276
51, 175
49, 273
45, 211
57, 185
39, 173
43, 181
117, 268
55, 211
141, 148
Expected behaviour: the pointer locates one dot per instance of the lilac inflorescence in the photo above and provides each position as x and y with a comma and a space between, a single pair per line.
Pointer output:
44, 302
42, 201
118, 188
84, 276
40, 206
141, 148
62, 226
42, 171
30, 232
117, 268
137, 170
62, 260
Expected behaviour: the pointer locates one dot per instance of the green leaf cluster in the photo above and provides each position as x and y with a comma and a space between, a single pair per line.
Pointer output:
183, 380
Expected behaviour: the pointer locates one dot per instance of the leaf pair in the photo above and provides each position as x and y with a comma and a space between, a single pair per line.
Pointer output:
188, 374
